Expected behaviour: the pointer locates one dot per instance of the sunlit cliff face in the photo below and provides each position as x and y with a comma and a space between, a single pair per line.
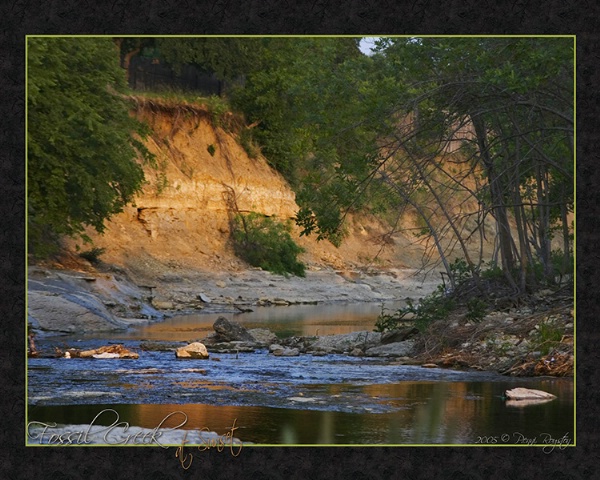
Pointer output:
182, 217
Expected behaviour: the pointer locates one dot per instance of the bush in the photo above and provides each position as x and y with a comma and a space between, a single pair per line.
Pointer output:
246, 140
460, 271
476, 309
547, 337
266, 243
436, 306
93, 255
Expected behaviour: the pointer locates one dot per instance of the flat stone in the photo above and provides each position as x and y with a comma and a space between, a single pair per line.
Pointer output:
528, 394
398, 335
72, 313
204, 298
163, 305
109, 351
346, 342
397, 349
193, 350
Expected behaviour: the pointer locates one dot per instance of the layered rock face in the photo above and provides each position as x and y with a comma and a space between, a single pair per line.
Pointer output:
182, 217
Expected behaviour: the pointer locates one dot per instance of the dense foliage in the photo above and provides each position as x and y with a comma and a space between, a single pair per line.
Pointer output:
82, 143
471, 137
266, 243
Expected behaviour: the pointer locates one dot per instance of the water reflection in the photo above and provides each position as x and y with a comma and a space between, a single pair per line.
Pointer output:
337, 406
306, 320
424, 413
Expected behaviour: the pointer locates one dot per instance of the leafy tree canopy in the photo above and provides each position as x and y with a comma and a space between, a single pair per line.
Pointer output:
82, 143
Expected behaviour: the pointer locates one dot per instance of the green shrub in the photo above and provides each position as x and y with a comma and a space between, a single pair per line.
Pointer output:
476, 309
460, 270
246, 140
218, 108
93, 255
436, 306
266, 243
492, 272
548, 335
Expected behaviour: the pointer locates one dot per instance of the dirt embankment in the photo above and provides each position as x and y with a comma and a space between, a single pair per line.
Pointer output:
181, 220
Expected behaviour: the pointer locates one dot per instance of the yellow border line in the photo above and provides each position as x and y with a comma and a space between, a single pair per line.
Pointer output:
574, 37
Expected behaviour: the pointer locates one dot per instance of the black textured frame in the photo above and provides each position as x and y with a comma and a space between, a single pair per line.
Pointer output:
553, 17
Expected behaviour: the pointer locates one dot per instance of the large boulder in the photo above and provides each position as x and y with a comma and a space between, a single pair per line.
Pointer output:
230, 331
74, 313
398, 335
193, 350
346, 342
396, 349
263, 336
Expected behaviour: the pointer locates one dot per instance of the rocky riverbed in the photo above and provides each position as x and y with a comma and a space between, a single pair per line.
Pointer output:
532, 339
75, 302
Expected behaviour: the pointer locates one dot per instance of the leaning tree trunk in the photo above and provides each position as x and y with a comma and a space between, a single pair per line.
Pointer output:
544, 222
406, 197
499, 209
449, 219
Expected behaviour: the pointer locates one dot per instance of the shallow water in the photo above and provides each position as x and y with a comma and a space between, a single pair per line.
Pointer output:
333, 399
305, 320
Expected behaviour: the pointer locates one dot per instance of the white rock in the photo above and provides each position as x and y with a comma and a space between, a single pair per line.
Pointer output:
193, 350
105, 355
528, 394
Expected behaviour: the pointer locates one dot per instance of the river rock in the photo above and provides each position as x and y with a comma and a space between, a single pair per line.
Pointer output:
286, 352
106, 355
528, 394
204, 298
230, 331
398, 335
396, 349
263, 336
193, 350
109, 351
281, 351
232, 347
346, 342
70, 313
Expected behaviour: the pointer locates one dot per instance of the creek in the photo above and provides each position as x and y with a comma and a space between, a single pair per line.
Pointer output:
331, 399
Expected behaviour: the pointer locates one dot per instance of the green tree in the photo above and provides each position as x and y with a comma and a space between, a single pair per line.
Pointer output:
82, 144
266, 243
513, 95
229, 58
284, 95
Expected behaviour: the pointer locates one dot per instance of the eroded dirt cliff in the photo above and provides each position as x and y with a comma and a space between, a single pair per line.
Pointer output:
181, 219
